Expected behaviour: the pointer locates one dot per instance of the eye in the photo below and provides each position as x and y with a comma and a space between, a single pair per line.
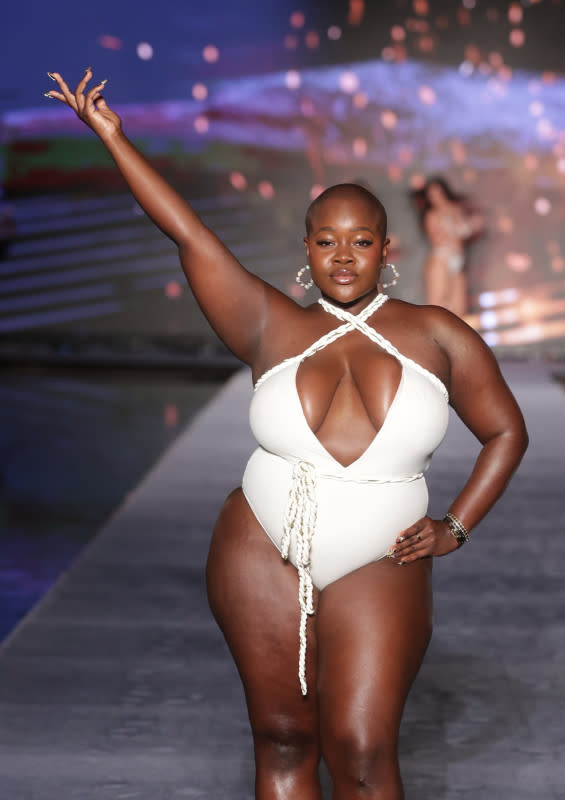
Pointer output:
324, 242
364, 242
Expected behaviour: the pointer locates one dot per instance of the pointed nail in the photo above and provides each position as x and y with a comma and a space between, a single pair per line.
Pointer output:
104, 82
88, 69
50, 96
52, 76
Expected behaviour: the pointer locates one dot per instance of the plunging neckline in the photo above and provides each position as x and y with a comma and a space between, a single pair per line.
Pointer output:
312, 434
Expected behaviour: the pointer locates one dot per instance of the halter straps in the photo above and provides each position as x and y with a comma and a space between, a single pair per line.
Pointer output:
354, 322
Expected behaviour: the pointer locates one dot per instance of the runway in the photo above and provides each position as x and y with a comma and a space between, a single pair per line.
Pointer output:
118, 684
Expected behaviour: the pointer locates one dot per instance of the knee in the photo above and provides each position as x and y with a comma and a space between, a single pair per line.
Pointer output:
282, 746
362, 763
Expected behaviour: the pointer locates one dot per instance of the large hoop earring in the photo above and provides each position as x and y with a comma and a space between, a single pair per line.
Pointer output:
395, 276
307, 282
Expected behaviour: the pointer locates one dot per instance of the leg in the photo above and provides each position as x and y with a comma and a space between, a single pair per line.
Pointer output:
458, 294
374, 626
253, 594
436, 277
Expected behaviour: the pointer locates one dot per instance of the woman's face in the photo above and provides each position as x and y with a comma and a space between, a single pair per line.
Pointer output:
346, 248
435, 195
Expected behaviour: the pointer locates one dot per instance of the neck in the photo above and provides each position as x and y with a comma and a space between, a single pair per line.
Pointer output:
357, 305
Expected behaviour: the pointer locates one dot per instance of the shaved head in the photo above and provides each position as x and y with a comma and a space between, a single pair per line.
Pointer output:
349, 191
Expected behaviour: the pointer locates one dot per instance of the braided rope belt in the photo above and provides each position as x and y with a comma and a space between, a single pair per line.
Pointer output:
300, 526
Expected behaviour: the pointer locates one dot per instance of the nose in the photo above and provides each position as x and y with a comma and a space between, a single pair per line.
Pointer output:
342, 254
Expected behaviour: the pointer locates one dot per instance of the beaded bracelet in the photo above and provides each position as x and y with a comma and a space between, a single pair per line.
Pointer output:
457, 528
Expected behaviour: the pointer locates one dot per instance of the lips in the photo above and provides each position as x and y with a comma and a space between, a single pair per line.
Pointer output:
343, 276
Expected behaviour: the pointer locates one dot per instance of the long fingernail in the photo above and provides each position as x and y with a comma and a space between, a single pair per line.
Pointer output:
88, 69
104, 82
50, 96
53, 78
400, 539
401, 563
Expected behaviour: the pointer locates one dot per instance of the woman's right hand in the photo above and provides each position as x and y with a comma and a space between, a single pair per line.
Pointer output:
91, 107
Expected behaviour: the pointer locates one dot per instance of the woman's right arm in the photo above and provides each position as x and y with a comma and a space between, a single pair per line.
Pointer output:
234, 301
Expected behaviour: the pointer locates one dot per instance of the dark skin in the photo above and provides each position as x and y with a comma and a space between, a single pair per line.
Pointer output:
371, 627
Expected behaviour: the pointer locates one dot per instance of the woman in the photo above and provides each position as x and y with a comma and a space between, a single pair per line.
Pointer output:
347, 422
448, 226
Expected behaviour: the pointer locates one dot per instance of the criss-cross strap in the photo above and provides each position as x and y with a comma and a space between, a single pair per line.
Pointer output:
358, 322
351, 321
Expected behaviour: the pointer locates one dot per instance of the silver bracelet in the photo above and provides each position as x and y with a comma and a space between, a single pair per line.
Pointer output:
457, 528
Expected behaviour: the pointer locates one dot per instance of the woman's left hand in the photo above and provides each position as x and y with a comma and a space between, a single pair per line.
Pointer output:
427, 537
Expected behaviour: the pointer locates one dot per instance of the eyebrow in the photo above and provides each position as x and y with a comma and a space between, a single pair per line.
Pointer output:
353, 230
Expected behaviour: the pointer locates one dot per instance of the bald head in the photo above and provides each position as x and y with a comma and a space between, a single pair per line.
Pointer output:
348, 192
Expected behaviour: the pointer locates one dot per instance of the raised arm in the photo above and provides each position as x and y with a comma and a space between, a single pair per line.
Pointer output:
234, 301
480, 396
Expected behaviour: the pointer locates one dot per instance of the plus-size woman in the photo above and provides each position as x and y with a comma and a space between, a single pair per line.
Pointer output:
319, 571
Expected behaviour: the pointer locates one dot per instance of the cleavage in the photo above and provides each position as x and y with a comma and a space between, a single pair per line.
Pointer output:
346, 395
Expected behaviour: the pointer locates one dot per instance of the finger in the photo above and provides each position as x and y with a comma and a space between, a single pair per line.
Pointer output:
79, 91
408, 547
93, 98
417, 527
67, 96
417, 553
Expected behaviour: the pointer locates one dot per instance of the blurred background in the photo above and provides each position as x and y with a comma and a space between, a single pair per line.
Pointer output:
250, 109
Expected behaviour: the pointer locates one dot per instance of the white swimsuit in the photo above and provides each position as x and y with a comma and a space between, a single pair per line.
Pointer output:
328, 519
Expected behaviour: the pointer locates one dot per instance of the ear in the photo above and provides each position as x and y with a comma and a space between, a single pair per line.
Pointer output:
384, 252
307, 246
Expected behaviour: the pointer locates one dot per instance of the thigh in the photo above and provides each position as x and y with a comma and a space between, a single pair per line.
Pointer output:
458, 294
253, 594
436, 279
373, 628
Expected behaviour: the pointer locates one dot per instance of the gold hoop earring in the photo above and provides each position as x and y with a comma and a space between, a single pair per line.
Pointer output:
395, 276
307, 282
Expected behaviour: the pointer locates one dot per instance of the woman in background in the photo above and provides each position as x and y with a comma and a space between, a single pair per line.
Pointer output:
449, 226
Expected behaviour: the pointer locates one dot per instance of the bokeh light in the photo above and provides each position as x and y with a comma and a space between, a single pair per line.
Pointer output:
542, 206
199, 91
348, 82
360, 100
536, 108
517, 37
211, 54
312, 40
389, 120
427, 95
292, 79
334, 32
291, 41
360, 147
171, 415
297, 19
515, 13
173, 290
316, 190
238, 181
266, 190
110, 42
201, 124
518, 262
144, 51
397, 33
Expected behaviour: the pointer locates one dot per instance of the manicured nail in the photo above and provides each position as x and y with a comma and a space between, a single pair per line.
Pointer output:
88, 69
401, 563
53, 78
104, 82
400, 539
50, 96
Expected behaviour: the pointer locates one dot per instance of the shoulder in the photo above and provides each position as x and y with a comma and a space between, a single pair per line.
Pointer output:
455, 338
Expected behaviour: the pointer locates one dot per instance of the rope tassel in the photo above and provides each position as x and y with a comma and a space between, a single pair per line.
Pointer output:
300, 525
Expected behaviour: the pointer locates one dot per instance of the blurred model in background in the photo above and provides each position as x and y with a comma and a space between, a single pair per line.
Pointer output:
449, 226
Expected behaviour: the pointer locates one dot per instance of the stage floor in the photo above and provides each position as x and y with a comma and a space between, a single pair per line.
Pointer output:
118, 684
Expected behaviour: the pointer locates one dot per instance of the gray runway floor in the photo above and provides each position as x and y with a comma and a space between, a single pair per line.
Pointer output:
118, 685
